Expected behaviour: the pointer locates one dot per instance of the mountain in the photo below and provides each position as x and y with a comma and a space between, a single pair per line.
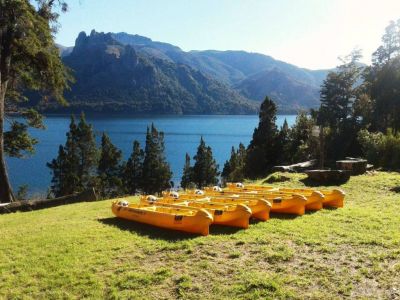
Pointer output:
114, 77
288, 93
239, 69
184, 82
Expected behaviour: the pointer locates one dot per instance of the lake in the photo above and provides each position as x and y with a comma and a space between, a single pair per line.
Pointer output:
182, 134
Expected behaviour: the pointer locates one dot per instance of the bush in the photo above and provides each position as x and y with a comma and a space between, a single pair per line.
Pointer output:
383, 150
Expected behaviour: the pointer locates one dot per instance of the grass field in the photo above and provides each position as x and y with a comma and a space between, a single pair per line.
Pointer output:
82, 251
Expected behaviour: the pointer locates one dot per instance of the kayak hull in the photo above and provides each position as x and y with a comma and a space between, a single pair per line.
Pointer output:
191, 221
334, 198
295, 205
227, 214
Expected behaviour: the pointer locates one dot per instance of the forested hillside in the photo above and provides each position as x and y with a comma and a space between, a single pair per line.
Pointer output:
114, 77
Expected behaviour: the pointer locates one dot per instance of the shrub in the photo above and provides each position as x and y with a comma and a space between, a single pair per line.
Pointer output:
383, 150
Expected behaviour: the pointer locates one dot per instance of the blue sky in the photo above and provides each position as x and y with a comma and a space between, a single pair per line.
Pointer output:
307, 33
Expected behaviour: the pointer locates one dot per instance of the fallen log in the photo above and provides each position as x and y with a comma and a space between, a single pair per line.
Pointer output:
299, 167
28, 205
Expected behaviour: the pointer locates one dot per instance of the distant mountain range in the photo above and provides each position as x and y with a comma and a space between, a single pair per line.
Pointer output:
121, 72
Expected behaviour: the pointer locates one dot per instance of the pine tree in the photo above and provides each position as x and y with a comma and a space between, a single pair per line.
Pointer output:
74, 169
263, 151
87, 152
133, 170
156, 170
205, 169
109, 168
65, 178
234, 167
338, 92
229, 166
302, 145
284, 143
187, 173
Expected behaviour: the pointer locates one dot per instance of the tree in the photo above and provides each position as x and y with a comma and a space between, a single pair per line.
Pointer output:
205, 169
284, 143
385, 92
303, 145
133, 170
263, 150
156, 170
234, 168
29, 60
339, 91
74, 170
87, 153
229, 166
390, 47
65, 178
187, 173
109, 168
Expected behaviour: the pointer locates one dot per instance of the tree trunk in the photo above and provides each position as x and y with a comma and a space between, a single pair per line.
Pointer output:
6, 194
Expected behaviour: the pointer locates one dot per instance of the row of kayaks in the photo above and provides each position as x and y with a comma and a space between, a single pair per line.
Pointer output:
194, 211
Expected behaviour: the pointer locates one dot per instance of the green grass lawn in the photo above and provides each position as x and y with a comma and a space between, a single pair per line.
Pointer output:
82, 251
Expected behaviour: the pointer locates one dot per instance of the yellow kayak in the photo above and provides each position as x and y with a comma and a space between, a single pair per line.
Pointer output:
192, 220
314, 198
285, 203
234, 214
288, 204
332, 198
260, 208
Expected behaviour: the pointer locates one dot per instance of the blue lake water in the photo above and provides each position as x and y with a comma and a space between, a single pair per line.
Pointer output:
182, 134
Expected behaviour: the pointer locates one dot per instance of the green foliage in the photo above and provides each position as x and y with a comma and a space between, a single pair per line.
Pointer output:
74, 169
390, 47
17, 141
156, 171
302, 144
383, 150
29, 61
87, 152
22, 192
133, 170
263, 151
234, 168
187, 173
109, 169
338, 92
383, 83
205, 169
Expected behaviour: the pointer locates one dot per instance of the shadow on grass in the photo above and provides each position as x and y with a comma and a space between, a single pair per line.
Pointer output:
161, 233
283, 216
223, 230
395, 189
312, 183
148, 230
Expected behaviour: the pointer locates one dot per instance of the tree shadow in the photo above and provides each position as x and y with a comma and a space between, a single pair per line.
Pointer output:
146, 230
395, 189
